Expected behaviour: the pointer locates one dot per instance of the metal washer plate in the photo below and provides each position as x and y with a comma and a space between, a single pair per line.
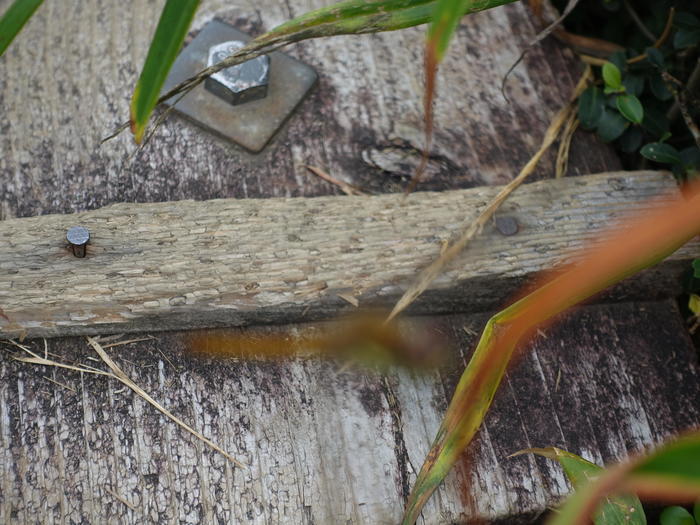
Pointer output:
252, 124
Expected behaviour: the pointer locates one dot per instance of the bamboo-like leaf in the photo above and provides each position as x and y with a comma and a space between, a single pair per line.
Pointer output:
613, 511
172, 27
628, 249
671, 473
14, 19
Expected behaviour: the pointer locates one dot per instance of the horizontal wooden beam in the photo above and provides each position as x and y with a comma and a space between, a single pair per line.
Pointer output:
180, 265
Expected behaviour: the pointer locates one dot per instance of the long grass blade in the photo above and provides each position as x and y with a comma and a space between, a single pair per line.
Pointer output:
628, 249
14, 19
172, 28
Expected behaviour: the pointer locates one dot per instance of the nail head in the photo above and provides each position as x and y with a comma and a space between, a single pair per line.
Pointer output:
507, 225
78, 237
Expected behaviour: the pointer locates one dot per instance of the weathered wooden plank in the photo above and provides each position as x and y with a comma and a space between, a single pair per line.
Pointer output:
232, 262
323, 444
66, 82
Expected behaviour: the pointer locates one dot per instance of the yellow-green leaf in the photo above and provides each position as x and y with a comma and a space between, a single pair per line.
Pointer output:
613, 511
694, 304
14, 19
672, 473
172, 27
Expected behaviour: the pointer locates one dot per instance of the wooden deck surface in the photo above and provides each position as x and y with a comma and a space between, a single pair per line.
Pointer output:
322, 444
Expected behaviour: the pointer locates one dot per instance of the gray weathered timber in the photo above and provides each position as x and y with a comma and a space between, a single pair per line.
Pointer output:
327, 446
234, 262
66, 82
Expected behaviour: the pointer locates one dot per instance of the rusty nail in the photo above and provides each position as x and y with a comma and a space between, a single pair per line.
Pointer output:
507, 225
78, 237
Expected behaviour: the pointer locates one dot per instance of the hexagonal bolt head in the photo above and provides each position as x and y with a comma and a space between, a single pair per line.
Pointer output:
238, 84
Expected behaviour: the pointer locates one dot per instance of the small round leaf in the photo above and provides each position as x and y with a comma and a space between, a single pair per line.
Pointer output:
696, 274
655, 56
612, 76
686, 38
659, 88
661, 152
631, 139
611, 125
591, 105
630, 108
676, 516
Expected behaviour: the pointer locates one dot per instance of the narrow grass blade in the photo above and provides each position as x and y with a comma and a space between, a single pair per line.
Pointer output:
172, 27
445, 17
614, 510
670, 474
628, 249
14, 19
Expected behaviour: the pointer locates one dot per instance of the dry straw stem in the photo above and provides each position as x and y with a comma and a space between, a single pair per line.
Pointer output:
344, 186
565, 144
118, 374
429, 274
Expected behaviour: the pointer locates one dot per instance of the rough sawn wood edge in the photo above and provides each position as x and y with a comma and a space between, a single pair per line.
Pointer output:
186, 264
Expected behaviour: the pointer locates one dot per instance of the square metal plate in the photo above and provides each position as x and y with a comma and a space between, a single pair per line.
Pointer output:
252, 124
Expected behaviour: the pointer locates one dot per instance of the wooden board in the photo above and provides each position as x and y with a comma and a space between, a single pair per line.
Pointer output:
326, 445
66, 82
234, 262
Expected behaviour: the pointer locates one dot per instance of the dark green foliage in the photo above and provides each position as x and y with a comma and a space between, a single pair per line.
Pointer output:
632, 103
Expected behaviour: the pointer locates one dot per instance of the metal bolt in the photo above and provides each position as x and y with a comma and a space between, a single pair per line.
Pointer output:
507, 225
241, 83
78, 237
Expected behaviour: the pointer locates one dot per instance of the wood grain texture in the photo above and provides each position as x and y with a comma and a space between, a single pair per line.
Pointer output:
234, 262
363, 124
323, 445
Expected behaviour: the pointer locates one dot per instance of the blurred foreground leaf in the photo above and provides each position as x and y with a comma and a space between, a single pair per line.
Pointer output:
172, 27
628, 249
613, 511
14, 19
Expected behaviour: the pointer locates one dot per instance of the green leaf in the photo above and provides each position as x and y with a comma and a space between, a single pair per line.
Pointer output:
676, 516
686, 20
14, 19
630, 108
611, 125
634, 84
631, 139
591, 105
612, 77
661, 152
686, 38
619, 59
172, 28
696, 274
672, 473
659, 88
655, 56
619, 509
696, 509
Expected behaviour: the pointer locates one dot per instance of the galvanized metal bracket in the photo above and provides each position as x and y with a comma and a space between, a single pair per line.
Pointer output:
250, 125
